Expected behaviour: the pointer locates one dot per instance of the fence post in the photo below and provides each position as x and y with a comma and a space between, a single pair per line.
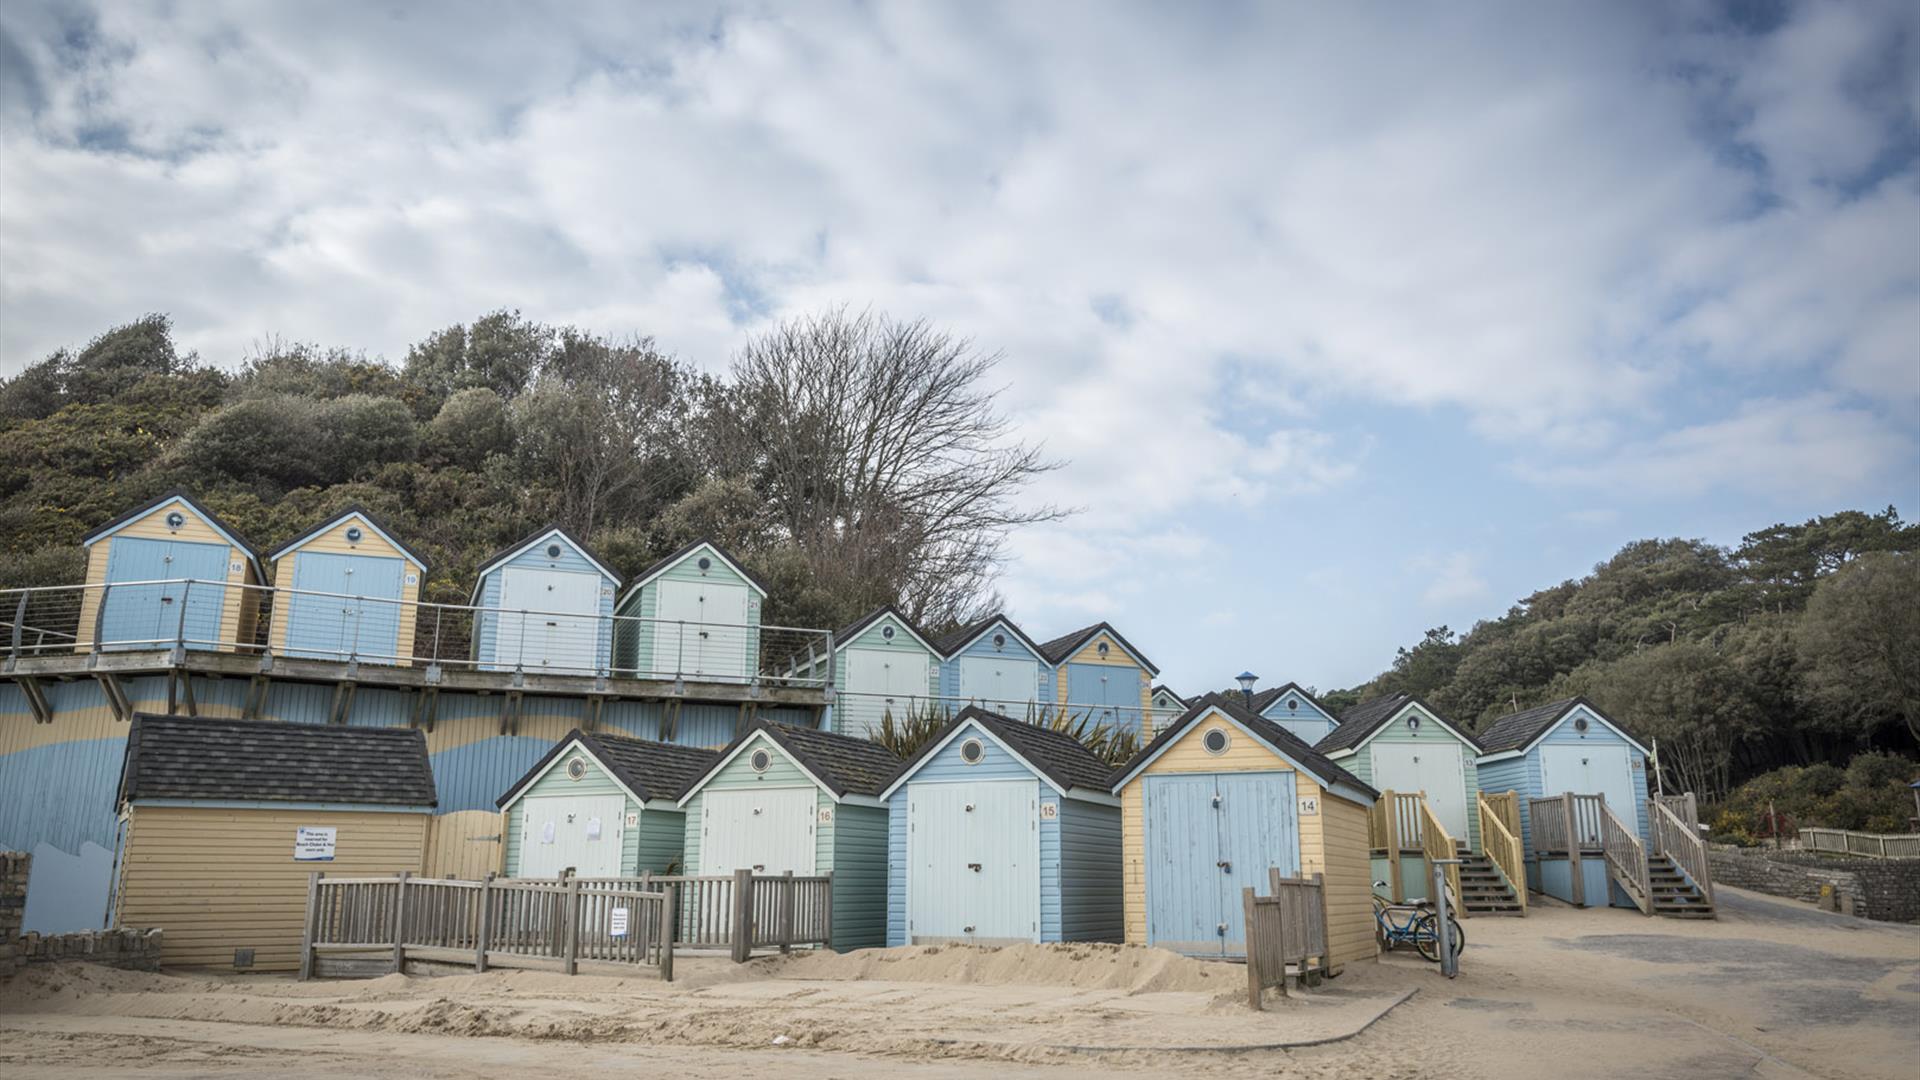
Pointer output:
1572, 825
742, 915
306, 932
669, 922
483, 928
100, 616
19, 621
1394, 885
1326, 934
573, 926
1255, 983
826, 911
786, 913
400, 921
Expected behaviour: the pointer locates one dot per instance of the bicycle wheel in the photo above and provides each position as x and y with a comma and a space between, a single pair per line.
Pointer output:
1427, 936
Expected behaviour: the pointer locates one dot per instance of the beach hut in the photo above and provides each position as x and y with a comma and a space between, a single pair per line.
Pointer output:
1220, 797
547, 605
992, 663
141, 562
1568, 747
795, 800
883, 665
1167, 705
223, 821
600, 805
355, 590
694, 614
1100, 675
1292, 707
1002, 832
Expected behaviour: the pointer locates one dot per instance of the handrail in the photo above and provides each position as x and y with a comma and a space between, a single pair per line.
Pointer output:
1673, 838
1437, 845
1850, 842
1502, 844
1626, 856
1506, 806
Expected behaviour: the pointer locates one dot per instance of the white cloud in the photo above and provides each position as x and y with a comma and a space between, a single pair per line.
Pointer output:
1451, 579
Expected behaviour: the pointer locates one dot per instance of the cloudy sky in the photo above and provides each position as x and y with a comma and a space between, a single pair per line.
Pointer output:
1351, 320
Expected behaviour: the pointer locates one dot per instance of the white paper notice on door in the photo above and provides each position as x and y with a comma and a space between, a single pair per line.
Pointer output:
546, 833
593, 828
313, 843
618, 923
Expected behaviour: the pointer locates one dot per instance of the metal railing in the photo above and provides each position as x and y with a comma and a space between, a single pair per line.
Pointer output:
194, 614
1871, 845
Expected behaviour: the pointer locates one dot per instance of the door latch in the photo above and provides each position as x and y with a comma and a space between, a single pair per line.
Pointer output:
1225, 866
974, 866
1216, 802
966, 929
1221, 929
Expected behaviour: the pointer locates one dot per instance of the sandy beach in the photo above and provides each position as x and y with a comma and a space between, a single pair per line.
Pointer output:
1770, 989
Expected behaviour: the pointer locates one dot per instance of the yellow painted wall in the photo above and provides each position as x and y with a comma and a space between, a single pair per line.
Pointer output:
220, 879
466, 844
1116, 657
236, 616
1332, 842
333, 541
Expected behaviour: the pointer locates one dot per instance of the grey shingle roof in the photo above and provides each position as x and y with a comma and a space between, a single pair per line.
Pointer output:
181, 757
651, 770
1062, 759
1265, 698
1515, 730
1322, 768
1365, 718
952, 641
847, 765
1067, 644
851, 630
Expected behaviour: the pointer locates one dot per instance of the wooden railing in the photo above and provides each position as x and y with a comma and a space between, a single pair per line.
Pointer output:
1872, 845
1626, 856
1393, 829
778, 911
1568, 826
366, 924
1289, 927
1436, 844
1672, 836
1501, 842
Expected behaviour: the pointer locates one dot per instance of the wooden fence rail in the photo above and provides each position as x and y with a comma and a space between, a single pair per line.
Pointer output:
1289, 927
365, 924
1872, 845
1673, 836
1501, 841
1626, 858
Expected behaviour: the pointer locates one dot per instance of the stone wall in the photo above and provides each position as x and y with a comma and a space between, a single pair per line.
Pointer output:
1883, 889
138, 949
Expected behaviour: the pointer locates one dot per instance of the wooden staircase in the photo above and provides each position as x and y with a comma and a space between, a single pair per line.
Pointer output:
1673, 895
1483, 889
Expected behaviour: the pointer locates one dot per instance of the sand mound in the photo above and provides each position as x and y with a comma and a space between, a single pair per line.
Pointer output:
1131, 968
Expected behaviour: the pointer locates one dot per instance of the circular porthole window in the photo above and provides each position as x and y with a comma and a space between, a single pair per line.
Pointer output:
999, 641
553, 551
1580, 724
973, 751
354, 534
175, 519
1292, 704
704, 564
1102, 649
577, 768
760, 761
1413, 724
887, 632
1215, 741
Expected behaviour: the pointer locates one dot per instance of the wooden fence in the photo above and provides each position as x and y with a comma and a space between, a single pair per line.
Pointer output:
1289, 927
1500, 839
1626, 857
779, 911
362, 925
1872, 845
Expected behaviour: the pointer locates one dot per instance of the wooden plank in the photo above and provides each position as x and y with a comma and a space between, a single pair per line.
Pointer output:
306, 938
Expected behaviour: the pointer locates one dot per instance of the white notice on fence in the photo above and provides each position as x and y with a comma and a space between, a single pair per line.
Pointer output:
546, 833
619, 927
313, 843
593, 828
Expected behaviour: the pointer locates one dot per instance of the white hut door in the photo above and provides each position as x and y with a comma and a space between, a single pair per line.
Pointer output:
1592, 770
766, 830
714, 640
1433, 767
578, 831
1005, 685
883, 680
559, 629
972, 865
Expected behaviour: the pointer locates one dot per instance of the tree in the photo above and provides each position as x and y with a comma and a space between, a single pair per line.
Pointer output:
1686, 696
881, 455
1859, 643
501, 351
1782, 563
471, 427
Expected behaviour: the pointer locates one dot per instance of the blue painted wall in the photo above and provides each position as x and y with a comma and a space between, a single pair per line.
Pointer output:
1308, 723
984, 648
1525, 775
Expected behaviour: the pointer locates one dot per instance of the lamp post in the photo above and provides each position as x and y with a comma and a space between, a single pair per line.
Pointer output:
1246, 679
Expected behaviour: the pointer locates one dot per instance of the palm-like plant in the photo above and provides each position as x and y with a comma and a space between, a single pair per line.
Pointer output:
908, 735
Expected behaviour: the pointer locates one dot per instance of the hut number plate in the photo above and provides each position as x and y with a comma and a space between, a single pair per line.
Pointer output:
1049, 811
1309, 805
413, 579
826, 815
633, 821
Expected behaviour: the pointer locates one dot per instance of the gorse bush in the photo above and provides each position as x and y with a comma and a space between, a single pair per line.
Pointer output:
1870, 795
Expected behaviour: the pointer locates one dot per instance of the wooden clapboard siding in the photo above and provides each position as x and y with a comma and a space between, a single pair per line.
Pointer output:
1333, 842
465, 844
1116, 657
633, 642
236, 613
219, 879
333, 541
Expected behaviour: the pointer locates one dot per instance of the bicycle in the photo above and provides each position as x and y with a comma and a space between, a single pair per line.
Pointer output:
1419, 928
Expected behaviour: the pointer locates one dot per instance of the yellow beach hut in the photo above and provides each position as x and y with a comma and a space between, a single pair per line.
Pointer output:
1220, 796
349, 590
168, 572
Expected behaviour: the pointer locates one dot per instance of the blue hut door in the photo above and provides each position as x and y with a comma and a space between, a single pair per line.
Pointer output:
359, 615
1208, 837
145, 616
1109, 692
